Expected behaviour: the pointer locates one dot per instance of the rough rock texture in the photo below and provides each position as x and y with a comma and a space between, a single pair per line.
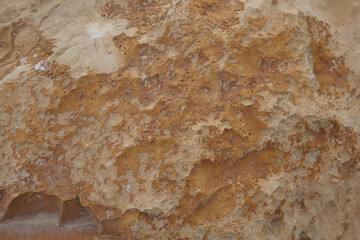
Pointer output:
194, 119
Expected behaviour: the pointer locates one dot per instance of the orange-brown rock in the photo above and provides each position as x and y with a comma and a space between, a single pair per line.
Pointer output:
194, 119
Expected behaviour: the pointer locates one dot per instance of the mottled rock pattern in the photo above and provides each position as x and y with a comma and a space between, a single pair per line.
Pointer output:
194, 119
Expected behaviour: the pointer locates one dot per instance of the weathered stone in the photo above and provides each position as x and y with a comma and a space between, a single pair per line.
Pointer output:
194, 119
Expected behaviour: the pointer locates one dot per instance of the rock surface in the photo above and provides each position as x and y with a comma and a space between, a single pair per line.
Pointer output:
194, 119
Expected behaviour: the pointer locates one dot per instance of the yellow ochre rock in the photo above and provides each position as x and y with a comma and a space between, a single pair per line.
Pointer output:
180, 119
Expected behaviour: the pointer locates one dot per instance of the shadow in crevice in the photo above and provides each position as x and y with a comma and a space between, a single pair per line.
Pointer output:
39, 214
30, 204
74, 214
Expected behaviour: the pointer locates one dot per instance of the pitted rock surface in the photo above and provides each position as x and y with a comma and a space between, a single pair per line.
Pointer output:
171, 119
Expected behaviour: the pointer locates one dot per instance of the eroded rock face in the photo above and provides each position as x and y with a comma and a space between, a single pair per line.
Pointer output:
195, 119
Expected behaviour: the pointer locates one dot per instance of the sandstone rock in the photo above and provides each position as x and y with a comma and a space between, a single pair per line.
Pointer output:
194, 119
